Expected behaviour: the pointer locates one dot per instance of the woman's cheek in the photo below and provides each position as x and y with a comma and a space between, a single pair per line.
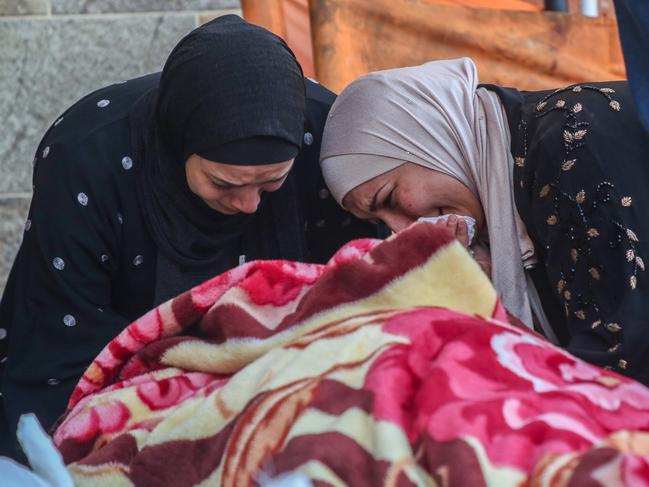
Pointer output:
416, 205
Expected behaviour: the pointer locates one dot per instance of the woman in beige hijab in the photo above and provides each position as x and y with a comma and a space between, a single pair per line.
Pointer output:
548, 178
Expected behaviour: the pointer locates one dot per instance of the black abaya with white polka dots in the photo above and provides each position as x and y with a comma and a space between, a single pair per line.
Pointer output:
87, 265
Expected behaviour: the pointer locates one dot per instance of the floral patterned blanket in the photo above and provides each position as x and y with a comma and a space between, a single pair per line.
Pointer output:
394, 364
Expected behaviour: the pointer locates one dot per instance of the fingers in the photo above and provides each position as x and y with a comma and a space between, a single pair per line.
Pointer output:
462, 232
457, 226
451, 224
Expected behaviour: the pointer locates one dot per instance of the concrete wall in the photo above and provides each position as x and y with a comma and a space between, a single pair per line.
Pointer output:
52, 52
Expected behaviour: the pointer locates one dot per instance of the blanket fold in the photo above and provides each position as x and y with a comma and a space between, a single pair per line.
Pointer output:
394, 364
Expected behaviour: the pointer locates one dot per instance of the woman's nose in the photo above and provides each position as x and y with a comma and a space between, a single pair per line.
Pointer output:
246, 200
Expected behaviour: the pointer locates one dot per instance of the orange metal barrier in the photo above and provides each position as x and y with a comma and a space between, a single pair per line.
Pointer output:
512, 41
530, 6
288, 19
528, 50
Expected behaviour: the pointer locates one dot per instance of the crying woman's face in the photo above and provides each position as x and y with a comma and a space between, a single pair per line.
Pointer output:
231, 189
400, 196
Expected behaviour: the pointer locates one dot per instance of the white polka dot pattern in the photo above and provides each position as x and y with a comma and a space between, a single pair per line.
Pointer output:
58, 263
68, 320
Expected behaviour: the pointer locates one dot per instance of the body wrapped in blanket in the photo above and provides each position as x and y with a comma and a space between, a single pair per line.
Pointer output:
392, 365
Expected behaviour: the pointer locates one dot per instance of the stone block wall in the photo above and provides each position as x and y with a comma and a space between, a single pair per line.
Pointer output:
53, 52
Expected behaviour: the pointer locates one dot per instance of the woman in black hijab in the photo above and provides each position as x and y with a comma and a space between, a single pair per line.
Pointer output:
146, 188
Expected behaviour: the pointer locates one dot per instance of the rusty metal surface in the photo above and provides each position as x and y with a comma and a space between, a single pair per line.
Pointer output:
290, 20
267, 13
527, 5
528, 50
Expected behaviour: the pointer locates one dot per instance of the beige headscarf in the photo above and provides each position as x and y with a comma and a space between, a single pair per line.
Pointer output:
435, 116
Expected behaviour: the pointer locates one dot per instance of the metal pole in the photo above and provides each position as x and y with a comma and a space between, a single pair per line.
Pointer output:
556, 5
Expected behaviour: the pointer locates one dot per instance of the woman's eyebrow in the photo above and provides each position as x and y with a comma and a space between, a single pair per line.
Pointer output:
372, 207
225, 182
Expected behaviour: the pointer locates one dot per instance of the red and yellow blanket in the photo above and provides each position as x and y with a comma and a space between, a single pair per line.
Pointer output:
393, 364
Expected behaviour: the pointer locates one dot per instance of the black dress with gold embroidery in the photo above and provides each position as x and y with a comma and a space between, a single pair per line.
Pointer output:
581, 179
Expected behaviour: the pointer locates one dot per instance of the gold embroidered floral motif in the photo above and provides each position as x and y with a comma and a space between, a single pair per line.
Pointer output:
607, 90
593, 232
552, 220
631, 235
520, 161
623, 364
613, 327
567, 295
630, 255
560, 103
626, 201
544, 191
579, 134
574, 255
633, 282
580, 314
576, 108
560, 285
640, 263
614, 348
581, 197
595, 324
540, 106
567, 166
577, 89
594, 273
567, 137
615, 105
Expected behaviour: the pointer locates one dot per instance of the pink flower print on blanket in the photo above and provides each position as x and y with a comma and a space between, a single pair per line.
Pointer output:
515, 394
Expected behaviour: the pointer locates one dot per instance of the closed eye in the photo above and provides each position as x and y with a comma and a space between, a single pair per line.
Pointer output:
388, 202
221, 185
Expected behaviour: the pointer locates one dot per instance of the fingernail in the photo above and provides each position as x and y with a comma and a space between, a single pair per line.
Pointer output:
452, 219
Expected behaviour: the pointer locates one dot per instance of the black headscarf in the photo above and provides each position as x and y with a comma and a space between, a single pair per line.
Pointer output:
230, 92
